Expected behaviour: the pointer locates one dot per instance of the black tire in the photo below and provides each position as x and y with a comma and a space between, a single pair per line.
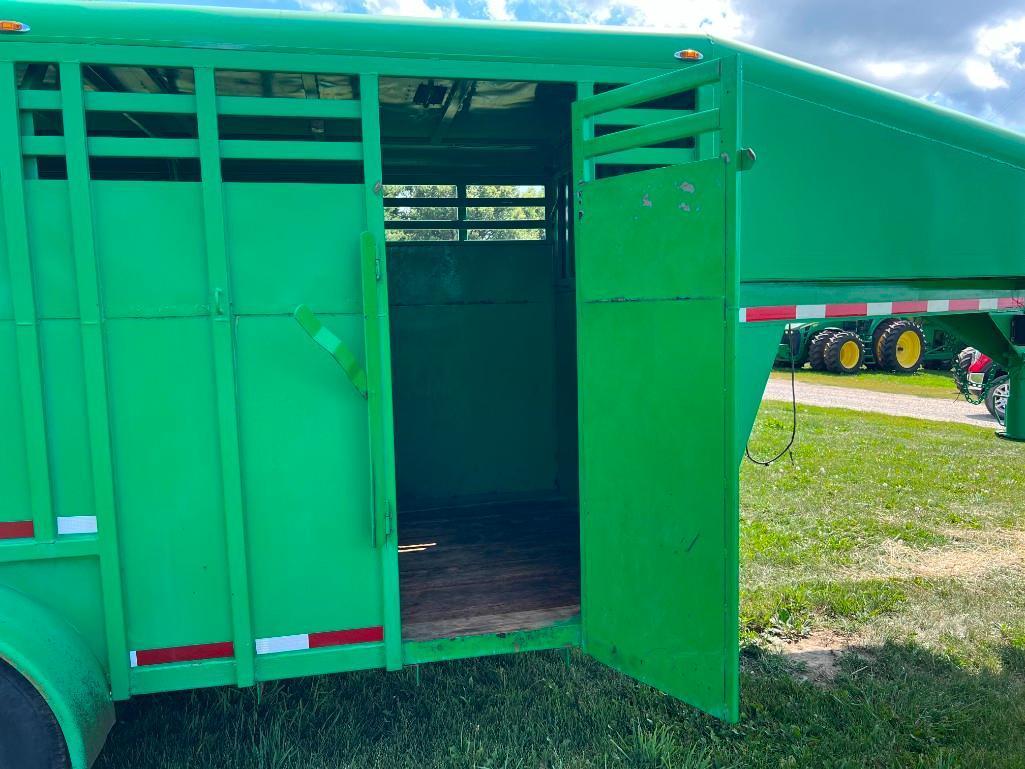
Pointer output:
29, 735
817, 348
996, 398
877, 334
962, 363
894, 347
839, 351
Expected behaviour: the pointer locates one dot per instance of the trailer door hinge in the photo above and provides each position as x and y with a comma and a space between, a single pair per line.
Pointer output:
377, 267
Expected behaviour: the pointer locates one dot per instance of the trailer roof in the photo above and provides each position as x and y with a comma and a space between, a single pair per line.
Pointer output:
120, 23
596, 51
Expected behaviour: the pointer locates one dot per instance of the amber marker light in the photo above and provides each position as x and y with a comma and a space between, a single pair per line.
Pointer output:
689, 54
6, 25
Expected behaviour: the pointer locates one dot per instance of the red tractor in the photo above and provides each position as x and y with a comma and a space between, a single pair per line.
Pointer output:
982, 380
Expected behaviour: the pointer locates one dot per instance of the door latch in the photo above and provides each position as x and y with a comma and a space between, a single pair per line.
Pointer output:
343, 356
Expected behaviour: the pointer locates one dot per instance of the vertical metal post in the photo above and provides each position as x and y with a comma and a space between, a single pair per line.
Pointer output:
26, 328
223, 338
730, 101
582, 172
1014, 417
95, 364
462, 233
378, 367
707, 145
582, 130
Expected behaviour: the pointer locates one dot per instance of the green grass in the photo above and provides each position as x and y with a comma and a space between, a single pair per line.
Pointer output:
850, 536
926, 384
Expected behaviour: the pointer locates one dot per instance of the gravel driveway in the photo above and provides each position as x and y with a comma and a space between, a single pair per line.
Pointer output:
935, 409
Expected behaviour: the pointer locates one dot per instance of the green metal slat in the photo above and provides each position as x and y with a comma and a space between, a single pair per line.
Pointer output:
474, 224
651, 89
30, 373
104, 101
378, 365
628, 117
14, 551
465, 202
38, 146
655, 133
647, 157
225, 375
95, 370
39, 99
242, 149
118, 147
256, 106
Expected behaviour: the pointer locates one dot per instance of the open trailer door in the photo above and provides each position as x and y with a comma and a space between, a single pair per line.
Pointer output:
656, 330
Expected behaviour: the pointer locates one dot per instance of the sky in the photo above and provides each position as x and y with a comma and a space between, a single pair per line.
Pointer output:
965, 55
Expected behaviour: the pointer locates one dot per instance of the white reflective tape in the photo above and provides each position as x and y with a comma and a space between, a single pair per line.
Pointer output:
283, 643
76, 524
938, 305
133, 659
806, 311
743, 315
880, 308
989, 304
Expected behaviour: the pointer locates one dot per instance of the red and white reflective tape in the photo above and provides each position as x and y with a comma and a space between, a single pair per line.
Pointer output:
301, 641
226, 649
867, 309
16, 529
76, 524
193, 653
66, 524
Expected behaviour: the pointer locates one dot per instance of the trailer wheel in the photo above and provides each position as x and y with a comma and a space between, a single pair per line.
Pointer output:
877, 335
817, 348
996, 398
844, 353
902, 348
29, 735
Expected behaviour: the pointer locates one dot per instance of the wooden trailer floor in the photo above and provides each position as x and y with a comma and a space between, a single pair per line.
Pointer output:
488, 569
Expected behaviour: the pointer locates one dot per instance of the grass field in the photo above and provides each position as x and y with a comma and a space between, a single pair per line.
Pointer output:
899, 539
927, 384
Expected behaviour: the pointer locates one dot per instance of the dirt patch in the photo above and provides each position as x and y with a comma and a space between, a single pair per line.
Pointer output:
817, 656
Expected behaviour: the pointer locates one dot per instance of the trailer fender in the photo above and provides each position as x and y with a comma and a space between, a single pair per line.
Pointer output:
54, 657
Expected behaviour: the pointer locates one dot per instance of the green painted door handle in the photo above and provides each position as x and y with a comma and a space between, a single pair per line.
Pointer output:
311, 324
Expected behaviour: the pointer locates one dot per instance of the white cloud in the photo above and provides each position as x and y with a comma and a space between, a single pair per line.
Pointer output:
323, 6
896, 69
1002, 43
715, 17
498, 10
379, 7
982, 75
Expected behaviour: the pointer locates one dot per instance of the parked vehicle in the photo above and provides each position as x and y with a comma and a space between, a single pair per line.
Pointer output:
898, 345
252, 431
982, 380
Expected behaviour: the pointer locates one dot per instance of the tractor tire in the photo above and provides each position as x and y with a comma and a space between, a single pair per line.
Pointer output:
844, 353
962, 362
29, 735
901, 348
877, 334
817, 348
996, 398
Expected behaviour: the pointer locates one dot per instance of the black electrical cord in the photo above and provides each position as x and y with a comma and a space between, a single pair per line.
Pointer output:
793, 401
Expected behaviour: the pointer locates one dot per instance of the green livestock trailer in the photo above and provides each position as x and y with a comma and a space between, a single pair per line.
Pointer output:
260, 422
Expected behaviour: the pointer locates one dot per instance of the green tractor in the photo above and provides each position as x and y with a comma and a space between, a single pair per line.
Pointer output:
899, 345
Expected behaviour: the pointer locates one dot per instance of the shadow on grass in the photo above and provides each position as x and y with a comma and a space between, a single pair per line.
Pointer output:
895, 706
